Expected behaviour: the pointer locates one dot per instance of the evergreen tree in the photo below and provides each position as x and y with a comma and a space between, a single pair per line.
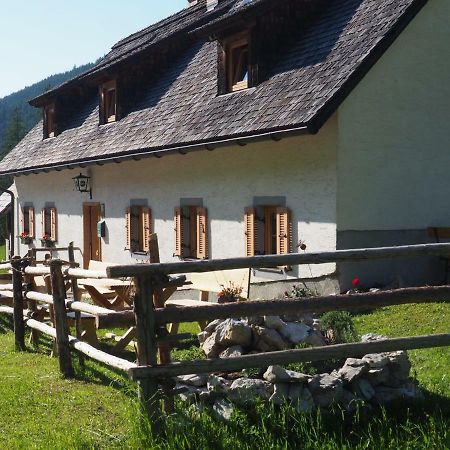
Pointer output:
14, 133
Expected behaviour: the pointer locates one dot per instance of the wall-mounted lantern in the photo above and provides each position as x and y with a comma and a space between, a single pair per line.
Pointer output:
83, 184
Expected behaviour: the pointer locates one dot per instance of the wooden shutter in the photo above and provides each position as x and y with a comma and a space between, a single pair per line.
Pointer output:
250, 231
22, 220
146, 228
222, 87
43, 222
178, 227
128, 229
202, 233
53, 224
284, 231
31, 222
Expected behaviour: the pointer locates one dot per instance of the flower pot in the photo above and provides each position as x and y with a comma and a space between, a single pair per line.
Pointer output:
26, 240
47, 243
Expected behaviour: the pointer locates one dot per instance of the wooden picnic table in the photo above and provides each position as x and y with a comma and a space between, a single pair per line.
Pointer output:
109, 292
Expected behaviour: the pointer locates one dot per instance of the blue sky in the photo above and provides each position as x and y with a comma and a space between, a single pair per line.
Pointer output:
41, 37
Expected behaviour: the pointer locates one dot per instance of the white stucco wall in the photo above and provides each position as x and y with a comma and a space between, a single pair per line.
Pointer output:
394, 133
302, 169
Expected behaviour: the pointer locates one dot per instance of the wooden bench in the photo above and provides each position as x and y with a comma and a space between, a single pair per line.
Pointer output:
212, 282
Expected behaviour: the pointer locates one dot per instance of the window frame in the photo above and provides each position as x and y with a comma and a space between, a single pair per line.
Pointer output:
49, 121
28, 228
49, 222
105, 105
191, 232
138, 228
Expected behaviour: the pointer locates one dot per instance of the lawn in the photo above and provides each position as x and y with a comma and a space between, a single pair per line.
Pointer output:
38, 409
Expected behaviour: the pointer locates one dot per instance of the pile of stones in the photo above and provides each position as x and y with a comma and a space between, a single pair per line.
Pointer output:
372, 379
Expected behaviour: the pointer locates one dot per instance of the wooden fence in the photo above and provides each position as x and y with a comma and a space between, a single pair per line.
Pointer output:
151, 279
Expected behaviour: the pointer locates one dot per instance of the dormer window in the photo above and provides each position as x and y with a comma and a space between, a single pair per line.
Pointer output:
108, 102
238, 64
49, 121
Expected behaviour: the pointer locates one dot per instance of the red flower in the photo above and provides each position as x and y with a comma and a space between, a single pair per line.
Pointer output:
355, 282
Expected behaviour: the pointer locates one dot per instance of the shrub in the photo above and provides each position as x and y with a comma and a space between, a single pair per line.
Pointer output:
338, 327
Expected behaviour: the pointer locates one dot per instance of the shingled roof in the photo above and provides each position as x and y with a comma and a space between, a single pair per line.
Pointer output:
181, 109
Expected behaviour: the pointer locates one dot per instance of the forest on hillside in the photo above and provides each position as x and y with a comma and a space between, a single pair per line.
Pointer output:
17, 117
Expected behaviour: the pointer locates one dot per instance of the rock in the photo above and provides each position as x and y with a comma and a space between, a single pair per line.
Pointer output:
371, 337
273, 322
326, 389
277, 374
193, 380
190, 394
255, 320
211, 327
296, 391
295, 332
315, 338
385, 394
362, 388
305, 403
233, 332
376, 360
378, 376
307, 319
353, 369
223, 409
399, 364
316, 325
246, 390
232, 352
270, 339
350, 401
280, 393
203, 336
211, 348
217, 384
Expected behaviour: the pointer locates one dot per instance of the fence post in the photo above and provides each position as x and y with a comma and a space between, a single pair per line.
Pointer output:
77, 298
19, 324
147, 350
62, 329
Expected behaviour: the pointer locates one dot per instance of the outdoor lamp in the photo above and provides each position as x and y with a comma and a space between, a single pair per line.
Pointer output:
83, 184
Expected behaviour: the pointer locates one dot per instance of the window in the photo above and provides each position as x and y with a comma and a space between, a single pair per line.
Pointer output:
268, 230
28, 222
49, 121
191, 232
235, 71
48, 219
108, 102
138, 228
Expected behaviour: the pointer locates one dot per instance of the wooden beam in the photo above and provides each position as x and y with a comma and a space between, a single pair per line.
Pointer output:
19, 325
346, 302
290, 356
267, 261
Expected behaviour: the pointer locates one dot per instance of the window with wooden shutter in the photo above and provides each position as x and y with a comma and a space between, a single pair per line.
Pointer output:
191, 232
49, 223
49, 121
202, 233
268, 230
108, 102
27, 229
138, 227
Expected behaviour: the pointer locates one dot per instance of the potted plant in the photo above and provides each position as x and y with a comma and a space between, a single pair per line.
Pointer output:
229, 294
47, 241
25, 237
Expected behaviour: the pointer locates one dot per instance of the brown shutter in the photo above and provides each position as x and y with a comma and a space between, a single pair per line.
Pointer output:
43, 222
250, 231
31, 222
146, 220
128, 229
284, 231
53, 227
22, 220
202, 233
178, 227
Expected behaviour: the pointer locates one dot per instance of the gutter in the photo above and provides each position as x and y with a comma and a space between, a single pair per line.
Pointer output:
160, 152
13, 212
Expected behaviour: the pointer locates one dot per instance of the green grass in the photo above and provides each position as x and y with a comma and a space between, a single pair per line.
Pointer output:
39, 409
2, 252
